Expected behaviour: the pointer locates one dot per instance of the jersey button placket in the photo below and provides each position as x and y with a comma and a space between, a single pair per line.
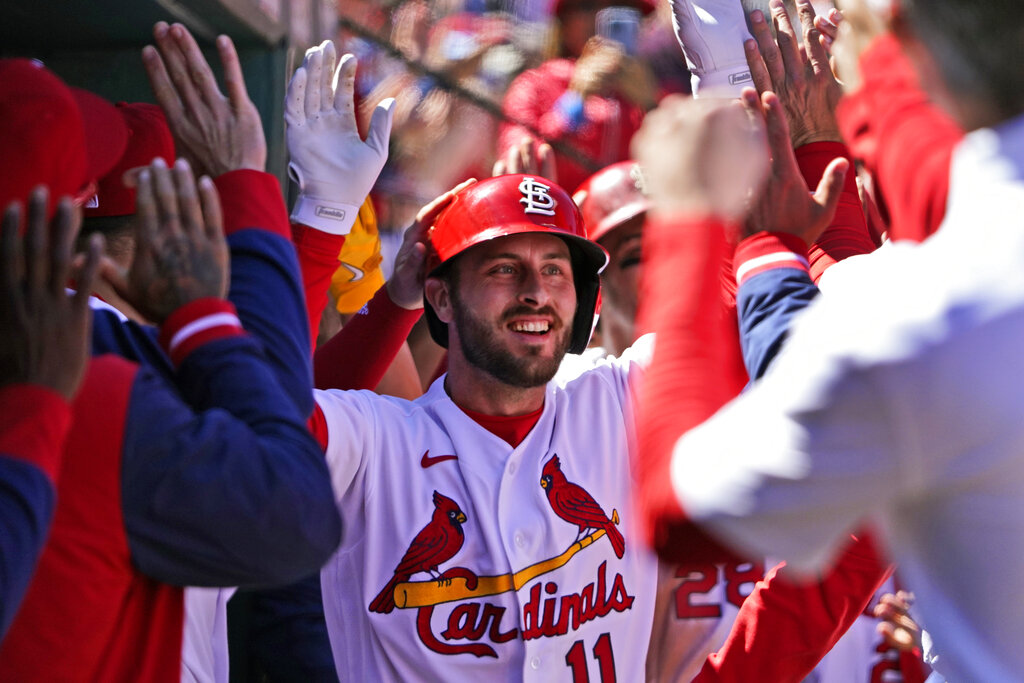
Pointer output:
535, 663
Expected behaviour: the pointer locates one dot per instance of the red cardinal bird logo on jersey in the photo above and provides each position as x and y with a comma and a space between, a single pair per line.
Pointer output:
573, 504
436, 543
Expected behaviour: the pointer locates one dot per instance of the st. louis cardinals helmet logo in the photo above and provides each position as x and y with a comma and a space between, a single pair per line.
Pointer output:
536, 197
573, 504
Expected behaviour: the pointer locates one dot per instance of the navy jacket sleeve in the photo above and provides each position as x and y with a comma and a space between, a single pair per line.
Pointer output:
222, 483
774, 286
234, 493
266, 284
34, 423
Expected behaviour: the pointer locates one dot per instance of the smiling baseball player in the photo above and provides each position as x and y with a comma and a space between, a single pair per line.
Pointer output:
492, 512
491, 518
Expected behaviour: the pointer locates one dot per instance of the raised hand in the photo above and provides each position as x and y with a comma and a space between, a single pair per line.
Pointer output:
896, 625
405, 288
701, 157
45, 334
334, 168
528, 157
597, 68
180, 251
801, 76
216, 133
785, 204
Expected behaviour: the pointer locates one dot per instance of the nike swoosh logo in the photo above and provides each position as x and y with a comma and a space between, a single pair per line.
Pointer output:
426, 461
357, 273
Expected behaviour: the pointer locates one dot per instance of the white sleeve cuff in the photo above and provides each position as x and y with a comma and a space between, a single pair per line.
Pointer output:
335, 218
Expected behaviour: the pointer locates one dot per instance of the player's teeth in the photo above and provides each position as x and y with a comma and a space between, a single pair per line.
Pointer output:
530, 327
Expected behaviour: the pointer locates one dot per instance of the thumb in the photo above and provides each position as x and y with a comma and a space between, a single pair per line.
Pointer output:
830, 187
380, 125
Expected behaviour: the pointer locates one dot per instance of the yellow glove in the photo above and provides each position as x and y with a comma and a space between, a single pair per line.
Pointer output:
359, 276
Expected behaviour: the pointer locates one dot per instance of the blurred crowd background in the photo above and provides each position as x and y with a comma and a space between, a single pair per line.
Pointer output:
449, 64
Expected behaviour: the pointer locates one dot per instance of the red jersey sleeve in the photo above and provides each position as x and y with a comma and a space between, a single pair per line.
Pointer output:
361, 352
786, 625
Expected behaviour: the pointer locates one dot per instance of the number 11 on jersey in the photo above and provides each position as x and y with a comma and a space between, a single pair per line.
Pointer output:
576, 659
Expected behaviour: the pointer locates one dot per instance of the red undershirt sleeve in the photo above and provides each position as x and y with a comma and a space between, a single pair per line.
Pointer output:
361, 352
785, 626
34, 421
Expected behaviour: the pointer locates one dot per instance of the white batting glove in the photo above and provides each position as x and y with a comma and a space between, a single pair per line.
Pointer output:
711, 33
334, 168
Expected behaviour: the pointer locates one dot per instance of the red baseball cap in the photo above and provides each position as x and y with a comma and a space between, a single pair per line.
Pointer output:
148, 138
42, 134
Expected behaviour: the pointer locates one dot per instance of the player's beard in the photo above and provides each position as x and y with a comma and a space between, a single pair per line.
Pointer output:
483, 348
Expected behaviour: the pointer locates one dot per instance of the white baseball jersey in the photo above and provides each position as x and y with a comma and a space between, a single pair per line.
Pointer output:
204, 645
524, 594
900, 401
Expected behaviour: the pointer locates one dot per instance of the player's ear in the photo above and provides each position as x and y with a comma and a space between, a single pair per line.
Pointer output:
437, 292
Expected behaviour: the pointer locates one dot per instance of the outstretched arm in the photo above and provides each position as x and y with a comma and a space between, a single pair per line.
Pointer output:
225, 448
801, 76
44, 337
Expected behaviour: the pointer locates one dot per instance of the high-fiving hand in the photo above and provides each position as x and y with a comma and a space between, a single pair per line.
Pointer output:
45, 334
785, 204
701, 157
334, 168
180, 251
216, 133
800, 75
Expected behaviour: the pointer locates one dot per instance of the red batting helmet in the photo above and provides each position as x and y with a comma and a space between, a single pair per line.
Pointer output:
512, 205
611, 197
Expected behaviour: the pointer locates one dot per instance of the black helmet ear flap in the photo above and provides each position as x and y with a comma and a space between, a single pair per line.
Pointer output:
586, 275
438, 330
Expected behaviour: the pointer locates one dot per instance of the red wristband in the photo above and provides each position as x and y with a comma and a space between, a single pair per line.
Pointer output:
764, 251
197, 323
